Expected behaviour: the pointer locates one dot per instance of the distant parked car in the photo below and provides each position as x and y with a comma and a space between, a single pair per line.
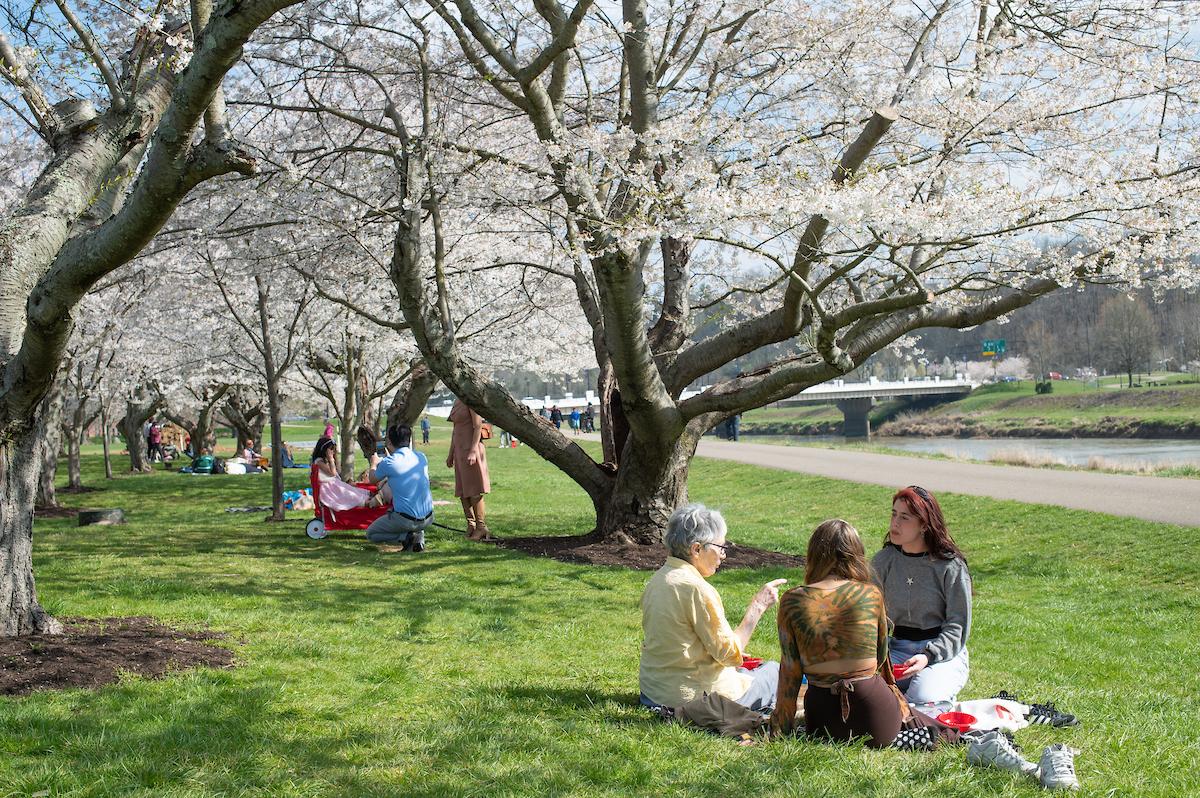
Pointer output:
1009, 378
1054, 375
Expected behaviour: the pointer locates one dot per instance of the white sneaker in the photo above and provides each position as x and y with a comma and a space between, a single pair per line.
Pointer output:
1058, 768
992, 749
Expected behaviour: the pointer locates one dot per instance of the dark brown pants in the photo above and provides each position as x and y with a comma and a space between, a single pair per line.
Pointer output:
874, 713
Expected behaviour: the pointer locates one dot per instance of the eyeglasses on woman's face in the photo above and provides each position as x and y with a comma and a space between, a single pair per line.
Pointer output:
724, 548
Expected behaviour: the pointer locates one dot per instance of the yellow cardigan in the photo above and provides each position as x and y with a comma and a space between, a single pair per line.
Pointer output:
688, 647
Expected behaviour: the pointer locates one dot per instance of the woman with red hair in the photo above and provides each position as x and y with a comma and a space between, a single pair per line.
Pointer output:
927, 591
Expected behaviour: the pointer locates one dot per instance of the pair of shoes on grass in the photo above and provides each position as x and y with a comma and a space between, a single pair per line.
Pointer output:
1041, 714
1055, 770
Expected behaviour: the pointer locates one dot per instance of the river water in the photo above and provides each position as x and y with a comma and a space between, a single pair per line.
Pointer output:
1120, 452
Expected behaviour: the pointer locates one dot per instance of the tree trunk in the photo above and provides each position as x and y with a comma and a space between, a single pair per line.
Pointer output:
74, 444
108, 473
204, 435
50, 418
138, 411
20, 613
273, 403
347, 429
651, 483
613, 427
202, 431
245, 419
412, 395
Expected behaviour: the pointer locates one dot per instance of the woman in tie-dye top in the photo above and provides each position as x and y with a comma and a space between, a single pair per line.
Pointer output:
833, 630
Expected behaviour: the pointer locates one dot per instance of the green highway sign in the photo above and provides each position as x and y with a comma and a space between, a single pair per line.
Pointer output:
991, 348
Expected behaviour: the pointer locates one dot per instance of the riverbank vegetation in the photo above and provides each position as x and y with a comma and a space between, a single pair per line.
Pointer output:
1075, 409
1167, 406
473, 670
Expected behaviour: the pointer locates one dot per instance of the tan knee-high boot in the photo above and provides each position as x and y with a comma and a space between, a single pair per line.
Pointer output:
469, 513
480, 525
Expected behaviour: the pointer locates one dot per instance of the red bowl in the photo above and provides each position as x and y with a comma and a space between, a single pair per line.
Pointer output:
898, 671
957, 720
750, 663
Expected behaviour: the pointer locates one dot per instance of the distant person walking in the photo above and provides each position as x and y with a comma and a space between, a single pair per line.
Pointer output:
468, 458
328, 433
556, 417
576, 417
425, 430
589, 418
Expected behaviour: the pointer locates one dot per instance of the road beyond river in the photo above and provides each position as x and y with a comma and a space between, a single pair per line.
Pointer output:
1163, 499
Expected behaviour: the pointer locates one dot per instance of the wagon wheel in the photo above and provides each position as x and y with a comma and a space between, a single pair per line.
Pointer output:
316, 529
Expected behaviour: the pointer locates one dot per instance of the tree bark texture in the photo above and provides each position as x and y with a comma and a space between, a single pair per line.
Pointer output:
50, 421
274, 402
201, 430
651, 482
20, 612
408, 403
138, 411
104, 433
246, 419
49, 260
74, 445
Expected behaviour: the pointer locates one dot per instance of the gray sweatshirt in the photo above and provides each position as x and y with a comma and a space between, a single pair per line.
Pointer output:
926, 593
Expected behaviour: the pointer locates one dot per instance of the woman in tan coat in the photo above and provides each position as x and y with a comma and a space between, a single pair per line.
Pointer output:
468, 458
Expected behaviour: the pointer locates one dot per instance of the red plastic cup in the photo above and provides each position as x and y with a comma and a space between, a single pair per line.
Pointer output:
957, 720
750, 663
898, 671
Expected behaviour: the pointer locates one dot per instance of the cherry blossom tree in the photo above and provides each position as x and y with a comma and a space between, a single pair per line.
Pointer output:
820, 180
124, 116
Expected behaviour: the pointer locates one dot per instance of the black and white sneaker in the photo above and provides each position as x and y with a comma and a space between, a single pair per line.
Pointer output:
922, 738
1048, 714
1004, 695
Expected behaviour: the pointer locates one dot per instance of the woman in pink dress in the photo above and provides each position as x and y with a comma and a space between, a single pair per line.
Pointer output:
468, 458
335, 493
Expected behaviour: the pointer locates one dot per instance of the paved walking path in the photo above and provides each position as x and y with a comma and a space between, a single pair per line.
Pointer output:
1173, 501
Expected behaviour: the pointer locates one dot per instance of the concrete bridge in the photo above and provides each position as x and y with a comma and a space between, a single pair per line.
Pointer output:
854, 399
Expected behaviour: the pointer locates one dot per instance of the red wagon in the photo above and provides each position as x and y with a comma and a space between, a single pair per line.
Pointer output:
324, 520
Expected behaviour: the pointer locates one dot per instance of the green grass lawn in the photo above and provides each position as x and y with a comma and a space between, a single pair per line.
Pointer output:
471, 670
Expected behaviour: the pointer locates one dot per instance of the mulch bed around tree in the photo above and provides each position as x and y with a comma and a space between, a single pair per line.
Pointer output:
42, 511
93, 653
585, 550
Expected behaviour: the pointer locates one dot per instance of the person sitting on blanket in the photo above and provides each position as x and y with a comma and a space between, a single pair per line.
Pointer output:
407, 475
337, 494
688, 647
925, 582
833, 629
203, 464
288, 457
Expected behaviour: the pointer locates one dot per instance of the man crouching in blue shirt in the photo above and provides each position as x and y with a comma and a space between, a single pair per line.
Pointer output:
407, 474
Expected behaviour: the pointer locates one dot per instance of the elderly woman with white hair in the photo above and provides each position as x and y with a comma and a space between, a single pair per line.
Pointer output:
688, 647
